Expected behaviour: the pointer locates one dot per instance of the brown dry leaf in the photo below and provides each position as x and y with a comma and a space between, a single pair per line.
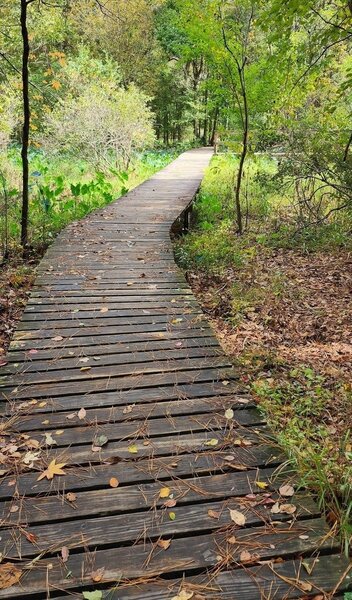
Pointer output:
164, 544
170, 503
286, 490
71, 497
85, 368
57, 338
104, 309
81, 414
9, 575
164, 492
65, 553
114, 482
97, 575
288, 509
232, 540
213, 514
14, 508
237, 517
128, 409
245, 556
54, 468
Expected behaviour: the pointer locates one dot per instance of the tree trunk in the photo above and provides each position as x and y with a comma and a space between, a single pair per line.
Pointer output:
26, 124
215, 124
243, 153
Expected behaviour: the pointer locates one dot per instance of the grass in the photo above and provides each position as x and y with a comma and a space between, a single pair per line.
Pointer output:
253, 288
297, 404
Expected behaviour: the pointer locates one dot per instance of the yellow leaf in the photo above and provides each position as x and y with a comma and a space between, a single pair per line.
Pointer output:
54, 468
261, 484
56, 85
164, 544
133, 449
212, 442
164, 492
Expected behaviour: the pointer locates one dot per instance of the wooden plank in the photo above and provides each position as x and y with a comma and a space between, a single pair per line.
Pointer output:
129, 498
97, 372
277, 581
117, 413
143, 470
198, 552
154, 333
119, 398
131, 348
150, 525
82, 360
143, 380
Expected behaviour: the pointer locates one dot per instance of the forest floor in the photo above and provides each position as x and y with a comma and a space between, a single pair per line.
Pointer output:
16, 280
285, 319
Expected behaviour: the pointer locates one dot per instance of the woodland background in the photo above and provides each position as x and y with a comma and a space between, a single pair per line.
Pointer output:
115, 90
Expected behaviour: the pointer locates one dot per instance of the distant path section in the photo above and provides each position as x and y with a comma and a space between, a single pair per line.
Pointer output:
133, 464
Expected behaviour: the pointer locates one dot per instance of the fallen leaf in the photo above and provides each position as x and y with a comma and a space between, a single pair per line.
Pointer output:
85, 368
172, 516
114, 482
97, 575
128, 409
81, 414
288, 509
245, 556
232, 540
237, 517
229, 414
303, 537
85, 359
71, 497
261, 484
59, 432
57, 338
164, 492
9, 575
213, 514
30, 457
96, 595
286, 490
101, 440
133, 449
49, 440
183, 596
164, 544
31, 537
104, 309
14, 508
170, 503
65, 553
53, 469
212, 442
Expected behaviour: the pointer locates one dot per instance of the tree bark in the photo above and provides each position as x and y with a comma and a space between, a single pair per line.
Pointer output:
243, 152
26, 125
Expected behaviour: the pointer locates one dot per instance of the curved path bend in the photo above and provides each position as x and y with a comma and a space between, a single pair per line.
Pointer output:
115, 373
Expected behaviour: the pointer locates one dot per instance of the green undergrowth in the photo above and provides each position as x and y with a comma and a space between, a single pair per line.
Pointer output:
64, 189
270, 222
309, 412
301, 409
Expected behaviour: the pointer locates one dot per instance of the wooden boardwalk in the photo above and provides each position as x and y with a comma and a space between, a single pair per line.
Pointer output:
169, 486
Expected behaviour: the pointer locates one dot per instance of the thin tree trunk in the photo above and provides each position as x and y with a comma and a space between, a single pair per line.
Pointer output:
243, 153
26, 124
215, 124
